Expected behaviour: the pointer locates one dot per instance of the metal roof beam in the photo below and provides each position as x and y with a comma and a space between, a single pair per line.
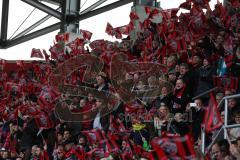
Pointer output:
44, 8
29, 29
4, 22
54, 2
33, 35
95, 5
101, 10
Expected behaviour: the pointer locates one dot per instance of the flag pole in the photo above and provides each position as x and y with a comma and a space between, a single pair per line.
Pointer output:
225, 118
203, 138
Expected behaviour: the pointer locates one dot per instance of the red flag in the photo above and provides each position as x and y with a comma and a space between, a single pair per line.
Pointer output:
133, 16
56, 51
174, 147
226, 82
186, 5
212, 118
116, 125
228, 59
43, 121
97, 44
62, 37
196, 26
46, 55
117, 33
148, 42
47, 97
154, 12
36, 53
110, 144
109, 29
94, 135
182, 46
126, 29
86, 34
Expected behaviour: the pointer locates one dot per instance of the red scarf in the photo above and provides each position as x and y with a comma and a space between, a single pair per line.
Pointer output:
179, 93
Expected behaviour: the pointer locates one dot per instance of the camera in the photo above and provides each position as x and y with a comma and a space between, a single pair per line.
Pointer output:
193, 104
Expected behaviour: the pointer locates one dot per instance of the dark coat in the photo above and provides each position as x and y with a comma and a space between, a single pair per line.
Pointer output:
179, 104
196, 119
205, 79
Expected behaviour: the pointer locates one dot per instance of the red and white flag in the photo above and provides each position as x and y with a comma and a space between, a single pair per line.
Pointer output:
109, 29
86, 34
212, 118
174, 147
62, 37
36, 53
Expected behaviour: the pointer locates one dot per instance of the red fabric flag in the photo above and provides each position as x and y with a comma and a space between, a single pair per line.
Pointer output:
126, 29
116, 125
174, 147
147, 10
94, 135
212, 118
110, 144
97, 44
186, 5
196, 26
86, 34
117, 33
47, 97
46, 55
226, 82
133, 16
36, 53
182, 46
109, 29
62, 37
56, 51
148, 42
43, 121
228, 59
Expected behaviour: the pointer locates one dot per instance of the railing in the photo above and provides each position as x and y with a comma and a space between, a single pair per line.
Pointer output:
224, 127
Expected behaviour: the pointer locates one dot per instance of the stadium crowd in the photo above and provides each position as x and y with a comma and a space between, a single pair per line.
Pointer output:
156, 114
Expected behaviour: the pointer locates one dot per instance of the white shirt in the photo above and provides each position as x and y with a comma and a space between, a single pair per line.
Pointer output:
96, 122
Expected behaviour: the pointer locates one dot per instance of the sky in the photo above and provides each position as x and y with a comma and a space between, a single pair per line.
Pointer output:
18, 11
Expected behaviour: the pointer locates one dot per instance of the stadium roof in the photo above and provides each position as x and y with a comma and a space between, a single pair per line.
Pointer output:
50, 8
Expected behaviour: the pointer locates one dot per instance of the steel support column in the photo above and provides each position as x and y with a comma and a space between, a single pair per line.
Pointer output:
145, 2
43, 8
4, 23
70, 10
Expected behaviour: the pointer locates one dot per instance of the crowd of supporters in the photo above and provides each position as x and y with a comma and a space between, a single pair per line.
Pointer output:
145, 98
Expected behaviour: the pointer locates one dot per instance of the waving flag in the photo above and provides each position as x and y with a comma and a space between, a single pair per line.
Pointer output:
36, 53
212, 118
173, 147
86, 34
